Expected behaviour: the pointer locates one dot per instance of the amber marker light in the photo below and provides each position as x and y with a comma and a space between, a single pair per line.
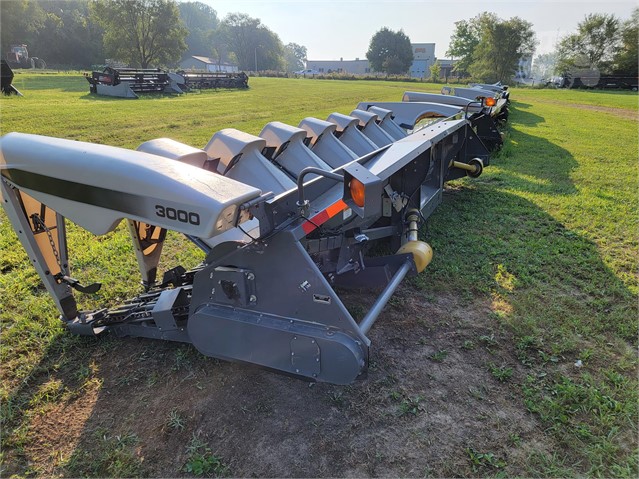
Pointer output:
357, 192
490, 102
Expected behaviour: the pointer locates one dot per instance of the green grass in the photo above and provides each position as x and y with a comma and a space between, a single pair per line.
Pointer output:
547, 236
111, 457
201, 462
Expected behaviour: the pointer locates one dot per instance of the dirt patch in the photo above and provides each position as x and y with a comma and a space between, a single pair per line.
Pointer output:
56, 431
428, 404
620, 112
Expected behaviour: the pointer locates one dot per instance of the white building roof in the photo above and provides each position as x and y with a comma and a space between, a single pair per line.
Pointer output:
210, 61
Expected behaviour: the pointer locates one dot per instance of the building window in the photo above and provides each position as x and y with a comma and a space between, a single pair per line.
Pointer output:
367, 70
321, 70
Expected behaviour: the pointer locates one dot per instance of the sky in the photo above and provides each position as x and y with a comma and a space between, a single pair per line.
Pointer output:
332, 29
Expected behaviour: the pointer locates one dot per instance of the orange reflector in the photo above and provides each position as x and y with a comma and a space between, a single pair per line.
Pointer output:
323, 216
358, 191
490, 102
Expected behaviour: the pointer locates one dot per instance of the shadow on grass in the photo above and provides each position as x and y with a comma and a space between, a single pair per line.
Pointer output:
102, 98
487, 240
520, 104
530, 163
141, 96
58, 378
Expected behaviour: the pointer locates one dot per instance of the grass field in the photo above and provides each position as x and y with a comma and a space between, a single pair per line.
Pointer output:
474, 369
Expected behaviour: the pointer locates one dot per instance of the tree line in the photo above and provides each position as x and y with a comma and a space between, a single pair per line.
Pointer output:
142, 33
158, 33
601, 42
489, 48
486, 47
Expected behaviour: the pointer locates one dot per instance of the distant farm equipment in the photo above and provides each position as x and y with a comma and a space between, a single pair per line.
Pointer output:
208, 80
128, 82
18, 57
593, 79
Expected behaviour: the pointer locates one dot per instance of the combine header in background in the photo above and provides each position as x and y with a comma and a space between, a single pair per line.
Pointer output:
128, 82
209, 80
284, 219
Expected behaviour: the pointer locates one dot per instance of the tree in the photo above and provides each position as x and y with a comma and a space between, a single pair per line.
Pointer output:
593, 45
141, 32
390, 52
20, 22
255, 46
465, 38
201, 21
294, 57
435, 71
502, 45
220, 47
53, 30
544, 65
626, 59
68, 25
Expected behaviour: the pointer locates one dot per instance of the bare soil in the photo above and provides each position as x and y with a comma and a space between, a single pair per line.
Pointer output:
428, 402
620, 112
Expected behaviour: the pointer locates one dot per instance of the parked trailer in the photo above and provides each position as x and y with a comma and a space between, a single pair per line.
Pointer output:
284, 219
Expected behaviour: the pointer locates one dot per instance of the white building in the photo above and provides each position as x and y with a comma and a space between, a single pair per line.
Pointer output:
524, 69
208, 64
356, 67
423, 58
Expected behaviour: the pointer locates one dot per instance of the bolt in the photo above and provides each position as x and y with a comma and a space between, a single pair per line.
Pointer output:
250, 276
253, 298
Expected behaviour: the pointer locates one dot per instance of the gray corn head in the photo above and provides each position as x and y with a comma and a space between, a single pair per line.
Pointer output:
284, 218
